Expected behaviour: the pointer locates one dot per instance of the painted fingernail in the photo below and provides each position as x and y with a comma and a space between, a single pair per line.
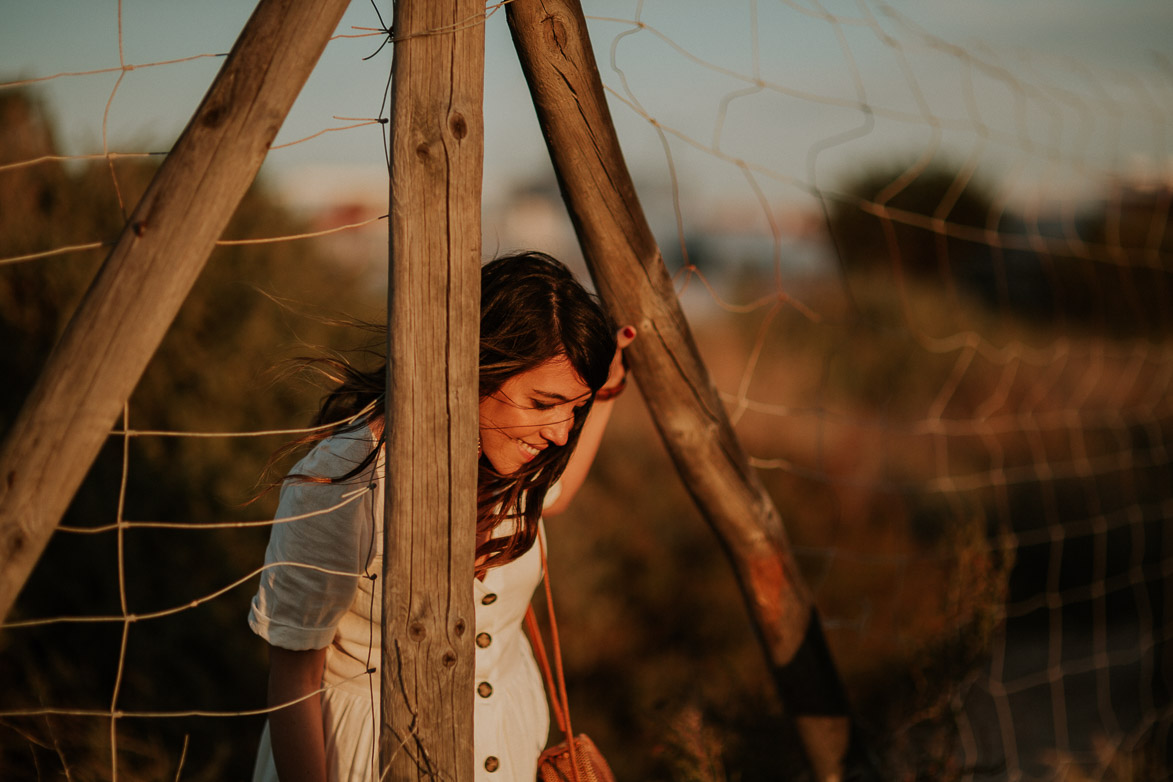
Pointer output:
629, 332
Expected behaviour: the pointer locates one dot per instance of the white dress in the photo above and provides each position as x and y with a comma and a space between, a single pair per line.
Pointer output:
333, 603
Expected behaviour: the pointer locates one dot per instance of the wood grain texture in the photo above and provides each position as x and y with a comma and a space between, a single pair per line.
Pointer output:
146, 277
437, 152
626, 264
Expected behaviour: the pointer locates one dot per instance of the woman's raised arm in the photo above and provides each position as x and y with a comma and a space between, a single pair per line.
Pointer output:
592, 431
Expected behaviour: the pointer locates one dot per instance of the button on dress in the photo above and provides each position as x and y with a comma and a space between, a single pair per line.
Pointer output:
316, 592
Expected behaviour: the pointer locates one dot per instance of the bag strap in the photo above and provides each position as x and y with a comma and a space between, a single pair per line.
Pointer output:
557, 694
535, 635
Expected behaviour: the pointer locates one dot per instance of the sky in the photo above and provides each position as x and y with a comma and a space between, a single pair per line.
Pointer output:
1045, 92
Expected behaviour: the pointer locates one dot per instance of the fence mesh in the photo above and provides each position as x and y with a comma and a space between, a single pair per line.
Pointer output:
930, 274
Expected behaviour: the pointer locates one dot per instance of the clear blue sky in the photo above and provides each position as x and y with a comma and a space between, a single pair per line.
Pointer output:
1075, 58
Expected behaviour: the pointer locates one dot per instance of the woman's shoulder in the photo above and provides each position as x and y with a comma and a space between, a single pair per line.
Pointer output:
329, 474
337, 454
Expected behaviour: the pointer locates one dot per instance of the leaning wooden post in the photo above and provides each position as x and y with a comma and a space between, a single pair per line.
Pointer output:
554, 47
437, 149
142, 284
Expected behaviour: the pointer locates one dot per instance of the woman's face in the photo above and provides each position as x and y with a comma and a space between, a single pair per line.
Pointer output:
531, 411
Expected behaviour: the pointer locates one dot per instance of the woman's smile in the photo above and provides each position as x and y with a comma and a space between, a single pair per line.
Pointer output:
531, 411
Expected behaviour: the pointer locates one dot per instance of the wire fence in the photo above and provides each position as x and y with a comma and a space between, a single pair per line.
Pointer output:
931, 278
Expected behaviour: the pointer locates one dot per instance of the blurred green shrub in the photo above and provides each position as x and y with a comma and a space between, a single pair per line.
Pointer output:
252, 307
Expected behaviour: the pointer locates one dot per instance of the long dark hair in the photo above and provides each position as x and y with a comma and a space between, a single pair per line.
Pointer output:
533, 310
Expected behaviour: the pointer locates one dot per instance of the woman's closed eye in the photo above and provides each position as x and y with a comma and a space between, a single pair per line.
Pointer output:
574, 404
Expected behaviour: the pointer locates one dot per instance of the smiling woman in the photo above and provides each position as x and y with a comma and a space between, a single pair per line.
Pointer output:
550, 366
530, 412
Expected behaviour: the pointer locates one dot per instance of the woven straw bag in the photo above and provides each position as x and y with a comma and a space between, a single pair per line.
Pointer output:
555, 764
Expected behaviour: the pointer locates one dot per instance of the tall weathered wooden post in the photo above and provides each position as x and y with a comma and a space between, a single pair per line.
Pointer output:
437, 151
136, 295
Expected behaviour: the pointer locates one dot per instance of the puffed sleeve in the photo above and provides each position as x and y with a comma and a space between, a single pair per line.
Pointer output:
323, 538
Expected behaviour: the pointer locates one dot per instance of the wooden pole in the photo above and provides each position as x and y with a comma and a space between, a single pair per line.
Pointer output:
142, 284
556, 56
437, 151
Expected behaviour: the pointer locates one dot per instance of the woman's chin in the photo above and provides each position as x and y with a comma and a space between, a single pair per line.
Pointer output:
503, 466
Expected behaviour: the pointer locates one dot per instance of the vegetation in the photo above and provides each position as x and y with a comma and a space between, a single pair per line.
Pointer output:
912, 569
1051, 267
216, 371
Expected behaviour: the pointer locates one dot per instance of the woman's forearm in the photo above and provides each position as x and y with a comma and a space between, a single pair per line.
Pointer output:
296, 731
596, 424
584, 456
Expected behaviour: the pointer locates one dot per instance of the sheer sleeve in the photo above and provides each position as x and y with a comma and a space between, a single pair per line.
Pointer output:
324, 538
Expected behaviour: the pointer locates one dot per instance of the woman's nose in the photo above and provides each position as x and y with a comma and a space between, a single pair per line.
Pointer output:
558, 432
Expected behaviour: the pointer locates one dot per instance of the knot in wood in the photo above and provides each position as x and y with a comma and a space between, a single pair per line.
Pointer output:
416, 631
449, 659
13, 543
555, 30
459, 627
457, 125
214, 116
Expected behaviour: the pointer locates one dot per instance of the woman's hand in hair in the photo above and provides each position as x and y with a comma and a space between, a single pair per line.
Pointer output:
592, 431
617, 378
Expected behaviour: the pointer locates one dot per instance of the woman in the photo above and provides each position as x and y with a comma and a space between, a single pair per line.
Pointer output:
550, 366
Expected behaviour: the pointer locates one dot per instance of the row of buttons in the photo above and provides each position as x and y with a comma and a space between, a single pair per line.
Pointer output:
484, 689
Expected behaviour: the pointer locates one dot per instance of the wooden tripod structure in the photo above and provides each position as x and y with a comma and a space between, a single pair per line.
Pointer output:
437, 155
